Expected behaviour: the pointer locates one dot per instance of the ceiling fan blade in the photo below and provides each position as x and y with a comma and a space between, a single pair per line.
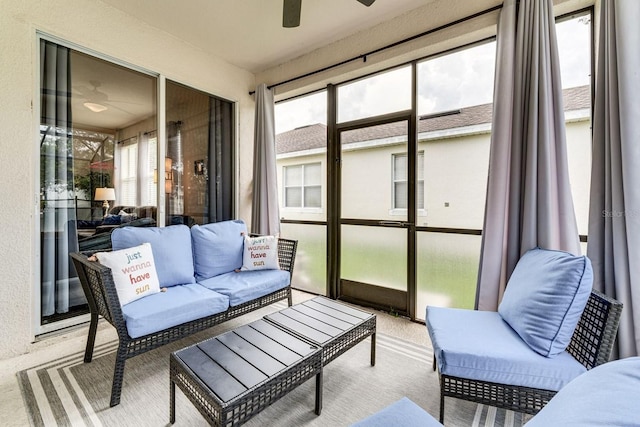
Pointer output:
291, 13
367, 2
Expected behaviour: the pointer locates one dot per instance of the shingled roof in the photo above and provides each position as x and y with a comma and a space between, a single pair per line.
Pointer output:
315, 136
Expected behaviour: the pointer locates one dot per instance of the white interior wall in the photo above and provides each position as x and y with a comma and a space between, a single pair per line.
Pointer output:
105, 30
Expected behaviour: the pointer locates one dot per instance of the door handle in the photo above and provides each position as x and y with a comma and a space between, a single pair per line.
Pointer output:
393, 223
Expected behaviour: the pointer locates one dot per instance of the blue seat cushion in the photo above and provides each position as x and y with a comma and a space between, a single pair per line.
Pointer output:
607, 395
217, 247
403, 413
479, 345
247, 285
171, 248
179, 304
545, 297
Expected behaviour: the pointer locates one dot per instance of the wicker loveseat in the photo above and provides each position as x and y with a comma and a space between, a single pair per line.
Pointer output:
201, 287
550, 328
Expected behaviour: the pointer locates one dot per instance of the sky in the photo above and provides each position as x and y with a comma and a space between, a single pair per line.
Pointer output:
448, 82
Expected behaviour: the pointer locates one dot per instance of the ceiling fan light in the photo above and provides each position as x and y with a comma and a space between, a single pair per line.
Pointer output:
96, 108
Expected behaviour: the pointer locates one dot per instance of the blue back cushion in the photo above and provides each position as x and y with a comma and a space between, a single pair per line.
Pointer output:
171, 248
217, 247
545, 297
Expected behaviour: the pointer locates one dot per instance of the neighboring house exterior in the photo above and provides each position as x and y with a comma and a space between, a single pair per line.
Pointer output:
453, 157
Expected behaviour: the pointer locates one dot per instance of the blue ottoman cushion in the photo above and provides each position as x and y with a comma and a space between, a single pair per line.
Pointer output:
403, 413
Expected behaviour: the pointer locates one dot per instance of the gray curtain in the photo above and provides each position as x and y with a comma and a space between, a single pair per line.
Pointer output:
529, 200
614, 216
265, 215
220, 169
58, 230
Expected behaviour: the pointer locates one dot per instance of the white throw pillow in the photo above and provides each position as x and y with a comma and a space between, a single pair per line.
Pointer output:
133, 270
260, 253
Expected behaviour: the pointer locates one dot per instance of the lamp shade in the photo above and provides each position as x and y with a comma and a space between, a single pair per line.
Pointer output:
105, 194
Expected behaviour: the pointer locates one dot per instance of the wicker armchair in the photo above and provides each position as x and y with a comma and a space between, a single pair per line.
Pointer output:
99, 288
590, 345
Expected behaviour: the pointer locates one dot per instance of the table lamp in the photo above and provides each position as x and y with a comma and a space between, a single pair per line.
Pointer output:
105, 194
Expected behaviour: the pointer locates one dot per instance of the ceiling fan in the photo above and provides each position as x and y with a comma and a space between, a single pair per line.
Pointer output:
291, 12
96, 100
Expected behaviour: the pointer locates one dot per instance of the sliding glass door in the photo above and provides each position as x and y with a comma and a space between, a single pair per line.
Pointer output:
105, 163
88, 168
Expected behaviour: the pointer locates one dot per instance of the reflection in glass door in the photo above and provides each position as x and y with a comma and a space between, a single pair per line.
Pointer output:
374, 215
93, 115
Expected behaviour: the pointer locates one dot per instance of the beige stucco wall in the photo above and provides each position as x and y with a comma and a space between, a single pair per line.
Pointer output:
90, 24
579, 158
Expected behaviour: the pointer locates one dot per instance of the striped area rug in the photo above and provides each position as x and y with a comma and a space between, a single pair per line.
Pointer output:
68, 392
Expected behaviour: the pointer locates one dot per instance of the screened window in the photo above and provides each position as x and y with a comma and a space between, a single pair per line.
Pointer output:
379, 94
455, 95
400, 184
302, 186
574, 52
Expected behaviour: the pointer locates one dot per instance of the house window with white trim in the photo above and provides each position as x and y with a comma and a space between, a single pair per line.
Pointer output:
400, 184
303, 186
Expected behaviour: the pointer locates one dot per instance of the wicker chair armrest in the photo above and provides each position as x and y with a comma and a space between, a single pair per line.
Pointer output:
595, 334
287, 249
99, 289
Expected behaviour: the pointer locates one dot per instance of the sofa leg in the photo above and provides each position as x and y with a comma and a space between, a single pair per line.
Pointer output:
118, 376
91, 339
441, 407
434, 362
290, 298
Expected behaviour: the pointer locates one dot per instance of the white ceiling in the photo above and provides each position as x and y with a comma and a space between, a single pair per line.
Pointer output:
249, 33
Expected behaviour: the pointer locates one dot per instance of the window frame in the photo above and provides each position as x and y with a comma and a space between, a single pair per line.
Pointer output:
302, 187
420, 166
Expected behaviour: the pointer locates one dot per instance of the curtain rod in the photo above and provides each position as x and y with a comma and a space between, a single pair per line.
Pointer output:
389, 46
126, 139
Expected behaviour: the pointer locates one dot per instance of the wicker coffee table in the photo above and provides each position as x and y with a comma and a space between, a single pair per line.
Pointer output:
232, 377
334, 326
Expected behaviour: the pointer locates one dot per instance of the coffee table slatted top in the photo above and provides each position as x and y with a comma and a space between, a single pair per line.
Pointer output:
333, 325
242, 359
